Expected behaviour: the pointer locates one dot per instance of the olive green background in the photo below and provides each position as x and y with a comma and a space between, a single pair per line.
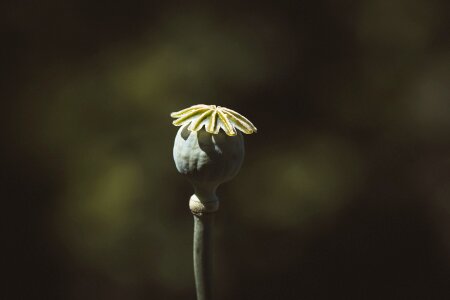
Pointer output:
345, 189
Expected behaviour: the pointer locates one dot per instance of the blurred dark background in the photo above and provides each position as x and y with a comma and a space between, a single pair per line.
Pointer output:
345, 189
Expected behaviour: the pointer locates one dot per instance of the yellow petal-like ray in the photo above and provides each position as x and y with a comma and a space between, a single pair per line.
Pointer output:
211, 126
242, 126
218, 126
239, 116
197, 123
229, 129
187, 115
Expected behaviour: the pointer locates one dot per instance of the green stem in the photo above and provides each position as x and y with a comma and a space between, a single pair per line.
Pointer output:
203, 255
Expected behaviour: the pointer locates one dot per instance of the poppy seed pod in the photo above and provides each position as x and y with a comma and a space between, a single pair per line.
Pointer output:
208, 156
207, 160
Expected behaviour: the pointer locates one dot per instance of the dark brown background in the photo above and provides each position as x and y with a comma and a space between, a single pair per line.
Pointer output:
345, 189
